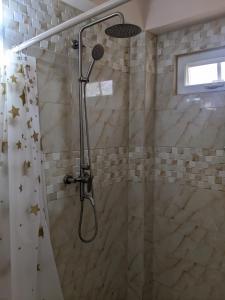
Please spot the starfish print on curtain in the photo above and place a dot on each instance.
(33, 274)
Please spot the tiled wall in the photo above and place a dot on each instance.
(158, 160)
(188, 174)
(23, 19)
(141, 124)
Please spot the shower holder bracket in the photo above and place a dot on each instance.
(75, 45)
(83, 79)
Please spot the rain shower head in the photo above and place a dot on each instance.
(123, 30)
(98, 52)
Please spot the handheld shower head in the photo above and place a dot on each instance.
(98, 52)
(123, 30)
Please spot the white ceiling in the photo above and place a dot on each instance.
(82, 5)
(134, 10)
(162, 15)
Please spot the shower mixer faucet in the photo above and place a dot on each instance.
(87, 180)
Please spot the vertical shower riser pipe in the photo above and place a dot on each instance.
(82, 84)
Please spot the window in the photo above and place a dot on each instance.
(201, 72)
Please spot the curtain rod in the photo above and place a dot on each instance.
(70, 23)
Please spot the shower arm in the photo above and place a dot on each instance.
(116, 14)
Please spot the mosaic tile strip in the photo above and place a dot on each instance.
(109, 166)
(203, 168)
(140, 163)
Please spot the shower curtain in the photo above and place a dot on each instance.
(27, 266)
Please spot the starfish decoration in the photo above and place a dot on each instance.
(20, 70)
(3, 89)
(35, 136)
(27, 163)
(19, 145)
(34, 209)
(29, 123)
(21, 188)
(41, 232)
(41, 144)
(14, 79)
(26, 166)
(23, 97)
(15, 112)
(4, 146)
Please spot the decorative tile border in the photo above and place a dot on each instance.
(203, 168)
(140, 163)
(109, 165)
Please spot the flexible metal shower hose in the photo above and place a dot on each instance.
(88, 197)
(81, 222)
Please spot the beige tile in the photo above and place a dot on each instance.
(56, 127)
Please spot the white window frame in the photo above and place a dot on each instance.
(197, 59)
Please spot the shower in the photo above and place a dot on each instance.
(85, 179)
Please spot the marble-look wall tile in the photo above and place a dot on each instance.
(5, 272)
(97, 270)
(142, 89)
(137, 90)
(107, 110)
(53, 82)
(135, 257)
(188, 214)
(188, 241)
(107, 128)
(195, 127)
(180, 279)
(137, 127)
(135, 240)
(55, 127)
(142, 50)
(148, 238)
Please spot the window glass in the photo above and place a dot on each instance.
(223, 71)
(202, 74)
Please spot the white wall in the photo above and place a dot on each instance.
(169, 14)
(83, 5)
(133, 11)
